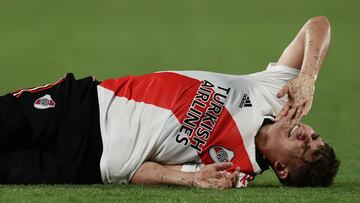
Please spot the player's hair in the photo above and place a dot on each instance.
(319, 172)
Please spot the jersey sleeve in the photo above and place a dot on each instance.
(275, 76)
(272, 80)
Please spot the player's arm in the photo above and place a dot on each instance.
(210, 176)
(306, 53)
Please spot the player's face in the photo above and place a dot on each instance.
(292, 144)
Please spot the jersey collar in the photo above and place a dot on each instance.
(260, 158)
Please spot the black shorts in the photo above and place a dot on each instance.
(51, 134)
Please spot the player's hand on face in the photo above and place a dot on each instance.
(300, 92)
(289, 119)
(215, 176)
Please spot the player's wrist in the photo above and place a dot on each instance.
(197, 180)
(187, 179)
(307, 77)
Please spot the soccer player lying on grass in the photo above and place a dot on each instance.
(190, 128)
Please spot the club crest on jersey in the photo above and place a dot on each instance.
(221, 154)
(44, 102)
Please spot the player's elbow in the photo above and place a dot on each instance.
(322, 20)
(321, 25)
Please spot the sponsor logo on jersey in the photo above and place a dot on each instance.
(44, 102)
(203, 115)
(245, 101)
(221, 154)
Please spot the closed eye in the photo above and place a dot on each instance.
(315, 136)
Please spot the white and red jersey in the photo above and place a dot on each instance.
(178, 117)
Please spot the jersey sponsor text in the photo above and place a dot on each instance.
(202, 115)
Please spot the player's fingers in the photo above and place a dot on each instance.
(223, 185)
(222, 166)
(307, 108)
(237, 177)
(285, 109)
(220, 175)
(230, 184)
(234, 178)
(285, 89)
(290, 117)
(229, 181)
(292, 112)
(234, 175)
(282, 112)
(294, 122)
(223, 182)
(299, 113)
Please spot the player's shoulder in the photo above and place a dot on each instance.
(211, 76)
(275, 67)
(275, 72)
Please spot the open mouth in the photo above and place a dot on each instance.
(293, 130)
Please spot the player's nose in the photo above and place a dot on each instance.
(303, 134)
(308, 134)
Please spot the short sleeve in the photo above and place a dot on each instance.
(273, 67)
(275, 76)
(272, 80)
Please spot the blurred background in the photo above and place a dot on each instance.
(41, 40)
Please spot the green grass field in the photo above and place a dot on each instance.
(41, 40)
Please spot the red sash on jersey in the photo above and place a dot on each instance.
(206, 125)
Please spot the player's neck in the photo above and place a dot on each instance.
(261, 141)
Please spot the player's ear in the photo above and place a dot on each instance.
(281, 170)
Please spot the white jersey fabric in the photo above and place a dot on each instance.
(178, 117)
